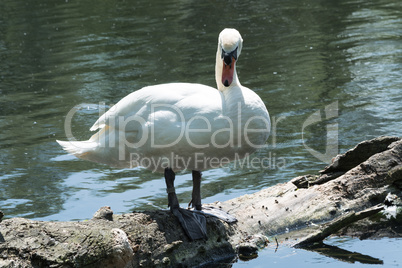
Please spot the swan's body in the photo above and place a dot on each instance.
(178, 125)
(182, 126)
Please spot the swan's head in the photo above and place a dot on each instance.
(229, 47)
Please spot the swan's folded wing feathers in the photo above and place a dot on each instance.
(126, 107)
(189, 99)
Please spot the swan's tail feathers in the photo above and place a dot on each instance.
(78, 148)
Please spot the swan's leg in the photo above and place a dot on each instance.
(173, 203)
(196, 196)
(194, 224)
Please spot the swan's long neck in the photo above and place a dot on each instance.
(218, 73)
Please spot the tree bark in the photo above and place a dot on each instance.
(368, 175)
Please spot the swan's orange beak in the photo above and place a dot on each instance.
(227, 72)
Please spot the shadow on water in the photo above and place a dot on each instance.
(343, 255)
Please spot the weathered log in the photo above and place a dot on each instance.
(155, 238)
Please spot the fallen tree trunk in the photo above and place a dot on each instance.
(361, 178)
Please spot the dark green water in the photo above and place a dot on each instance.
(299, 56)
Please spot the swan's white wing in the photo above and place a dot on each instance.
(185, 98)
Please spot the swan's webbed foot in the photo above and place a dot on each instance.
(195, 202)
(218, 213)
(193, 221)
(194, 224)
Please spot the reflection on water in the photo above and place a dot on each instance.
(298, 56)
(347, 251)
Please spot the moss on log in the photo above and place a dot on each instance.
(155, 238)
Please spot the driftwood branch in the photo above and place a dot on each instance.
(363, 177)
(337, 224)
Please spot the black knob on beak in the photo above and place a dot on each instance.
(227, 58)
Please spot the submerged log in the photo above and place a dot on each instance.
(363, 177)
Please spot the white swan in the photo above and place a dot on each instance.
(181, 125)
